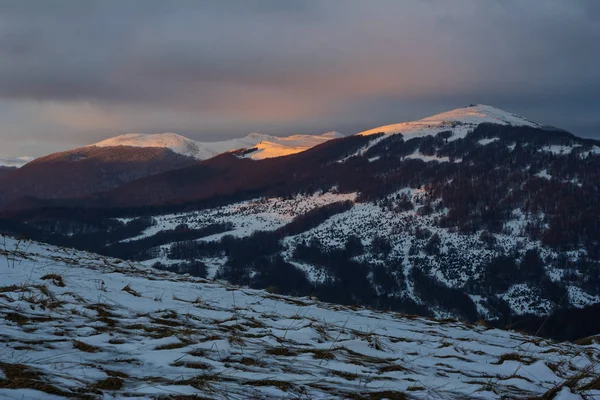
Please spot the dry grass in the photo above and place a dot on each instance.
(159, 332)
(21, 319)
(322, 354)
(198, 353)
(20, 376)
(210, 338)
(110, 384)
(456, 357)
(57, 280)
(515, 357)
(346, 375)
(387, 395)
(88, 348)
(281, 351)
(254, 323)
(588, 341)
(322, 331)
(192, 365)
(393, 368)
(116, 374)
(16, 318)
(171, 346)
(104, 315)
(131, 291)
(281, 385)
(166, 322)
(12, 288)
(594, 384)
(357, 358)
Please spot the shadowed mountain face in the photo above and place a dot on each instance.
(80, 172)
(6, 170)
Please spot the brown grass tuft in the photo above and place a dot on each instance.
(131, 291)
(57, 280)
(111, 384)
(172, 346)
(88, 348)
(192, 364)
(515, 357)
(324, 354)
(20, 376)
(393, 368)
(281, 351)
(282, 385)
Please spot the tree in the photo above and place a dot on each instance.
(433, 245)
(381, 246)
(354, 246)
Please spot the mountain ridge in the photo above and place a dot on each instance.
(269, 146)
(468, 117)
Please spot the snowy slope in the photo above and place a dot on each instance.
(366, 221)
(75, 324)
(274, 146)
(15, 162)
(268, 146)
(460, 121)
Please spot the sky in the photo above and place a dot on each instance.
(75, 72)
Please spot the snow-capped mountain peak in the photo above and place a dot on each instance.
(267, 146)
(460, 120)
(177, 143)
(15, 162)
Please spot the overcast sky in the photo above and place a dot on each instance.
(75, 72)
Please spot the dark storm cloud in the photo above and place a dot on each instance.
(76, 71)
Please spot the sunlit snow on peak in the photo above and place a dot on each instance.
(265, 146)
(460, 121)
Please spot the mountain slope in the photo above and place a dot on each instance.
(79, 325)
(230, 175)
(266, 146)
(499, 223)
(79, 172)
(6, 170)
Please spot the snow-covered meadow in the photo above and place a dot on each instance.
(78, 325)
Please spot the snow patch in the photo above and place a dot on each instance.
(485, 142)
(559, 149)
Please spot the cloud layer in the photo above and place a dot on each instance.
(72, 72)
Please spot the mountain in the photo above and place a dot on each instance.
(14, 162)
(474, 214)
(256, 145)
(79, 172)
(79, 325)
(6, 170)
(116, 161)
(461, 121)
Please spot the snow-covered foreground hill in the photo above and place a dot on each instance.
(79, 325)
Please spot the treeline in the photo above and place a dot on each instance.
(142, 249)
